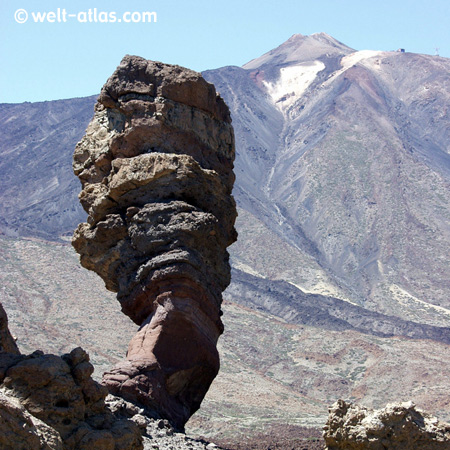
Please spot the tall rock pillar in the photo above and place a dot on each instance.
(156, 167)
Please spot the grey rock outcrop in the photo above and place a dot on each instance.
(156, 167)
(157, 433)
(20, 429)
(396, 427)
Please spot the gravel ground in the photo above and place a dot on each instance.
(279, 437)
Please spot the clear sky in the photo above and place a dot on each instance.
(73, 58)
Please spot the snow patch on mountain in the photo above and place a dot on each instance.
(364, 57)
(292, 83)
(357, 57)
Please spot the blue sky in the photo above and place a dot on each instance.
(53, 60)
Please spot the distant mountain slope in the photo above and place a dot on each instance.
(344, 156)
(38, 191)
(286, 301)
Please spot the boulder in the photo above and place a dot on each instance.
(51, 402)
(7, 342)
(398, 426)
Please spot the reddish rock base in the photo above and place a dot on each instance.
(173, 359)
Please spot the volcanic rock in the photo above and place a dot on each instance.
(7, 342)
(157, 433)
(156, 167)
(20, 429)
(398, 426)
(51, 402)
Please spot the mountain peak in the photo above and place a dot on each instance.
(300, 48)
(321, 36)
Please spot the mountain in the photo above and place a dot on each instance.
(343, 160)
(38, 192)
(301, 49)
(340, 282)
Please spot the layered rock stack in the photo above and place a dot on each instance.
(156, 167)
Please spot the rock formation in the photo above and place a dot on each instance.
(51, 402)
(397, 427)
(7, 342)
(156, 167)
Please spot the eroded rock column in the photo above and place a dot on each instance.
(156, 171)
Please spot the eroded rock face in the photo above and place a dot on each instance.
(7, 342)
(397, 427)
(51, 402)
(156, 171)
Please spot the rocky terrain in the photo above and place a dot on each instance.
(49, 402)
(343, 171)
(273, 373)
(339, 276)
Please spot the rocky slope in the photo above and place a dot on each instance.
(38, 192)
(343, 159)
